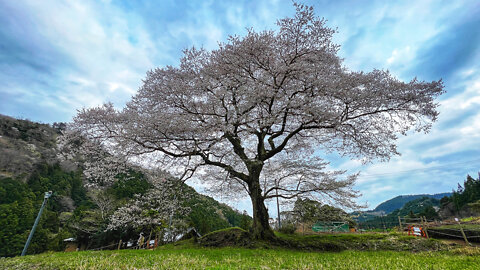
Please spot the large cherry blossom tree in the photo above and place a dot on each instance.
(251, 114)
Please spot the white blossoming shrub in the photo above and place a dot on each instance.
(159, 210)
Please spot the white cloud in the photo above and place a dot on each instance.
(381, 34)
(472, 130)
(97, 40)
(401, 56)
(379, 189)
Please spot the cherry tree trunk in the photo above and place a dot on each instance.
(261, 227)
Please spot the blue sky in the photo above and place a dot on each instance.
(59, 56)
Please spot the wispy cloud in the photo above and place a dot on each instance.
(64, 55)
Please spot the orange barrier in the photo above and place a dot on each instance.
(416, 231)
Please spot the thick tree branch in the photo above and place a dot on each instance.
(284, 143)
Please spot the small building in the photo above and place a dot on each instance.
(190, 233)
(71, 244)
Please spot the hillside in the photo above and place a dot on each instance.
(393, 204)
(399, 201)
(29, 167)
(424, 206)
(23, 144)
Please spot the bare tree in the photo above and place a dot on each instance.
(104, 201)
(271, 97)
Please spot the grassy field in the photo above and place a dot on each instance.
(240, 258)
(353, 251)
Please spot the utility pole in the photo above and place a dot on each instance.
(278, 210)
(170, 221)
(400, 228)
(171, 213)
(424, 221)
(30, 236)
(383, 222)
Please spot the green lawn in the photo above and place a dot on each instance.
(239, 258)
(354, 251)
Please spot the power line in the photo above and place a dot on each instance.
(420, 169)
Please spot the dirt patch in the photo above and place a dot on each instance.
(459, 243)
(309, 244)
(367, 242)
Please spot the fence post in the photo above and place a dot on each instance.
(463, 233)
(384, 225)
(119, 244)
(400, 228)
(424, 221)
(149, 238)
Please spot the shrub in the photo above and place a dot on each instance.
(288, 228)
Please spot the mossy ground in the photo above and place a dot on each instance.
(367, 241)
(236, 237)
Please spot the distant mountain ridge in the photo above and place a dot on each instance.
(398, 202)
(393, 204)
(421, 207)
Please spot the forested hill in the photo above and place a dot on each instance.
(420, 207)
(399, 201)
(393, 205)
(29, 167)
